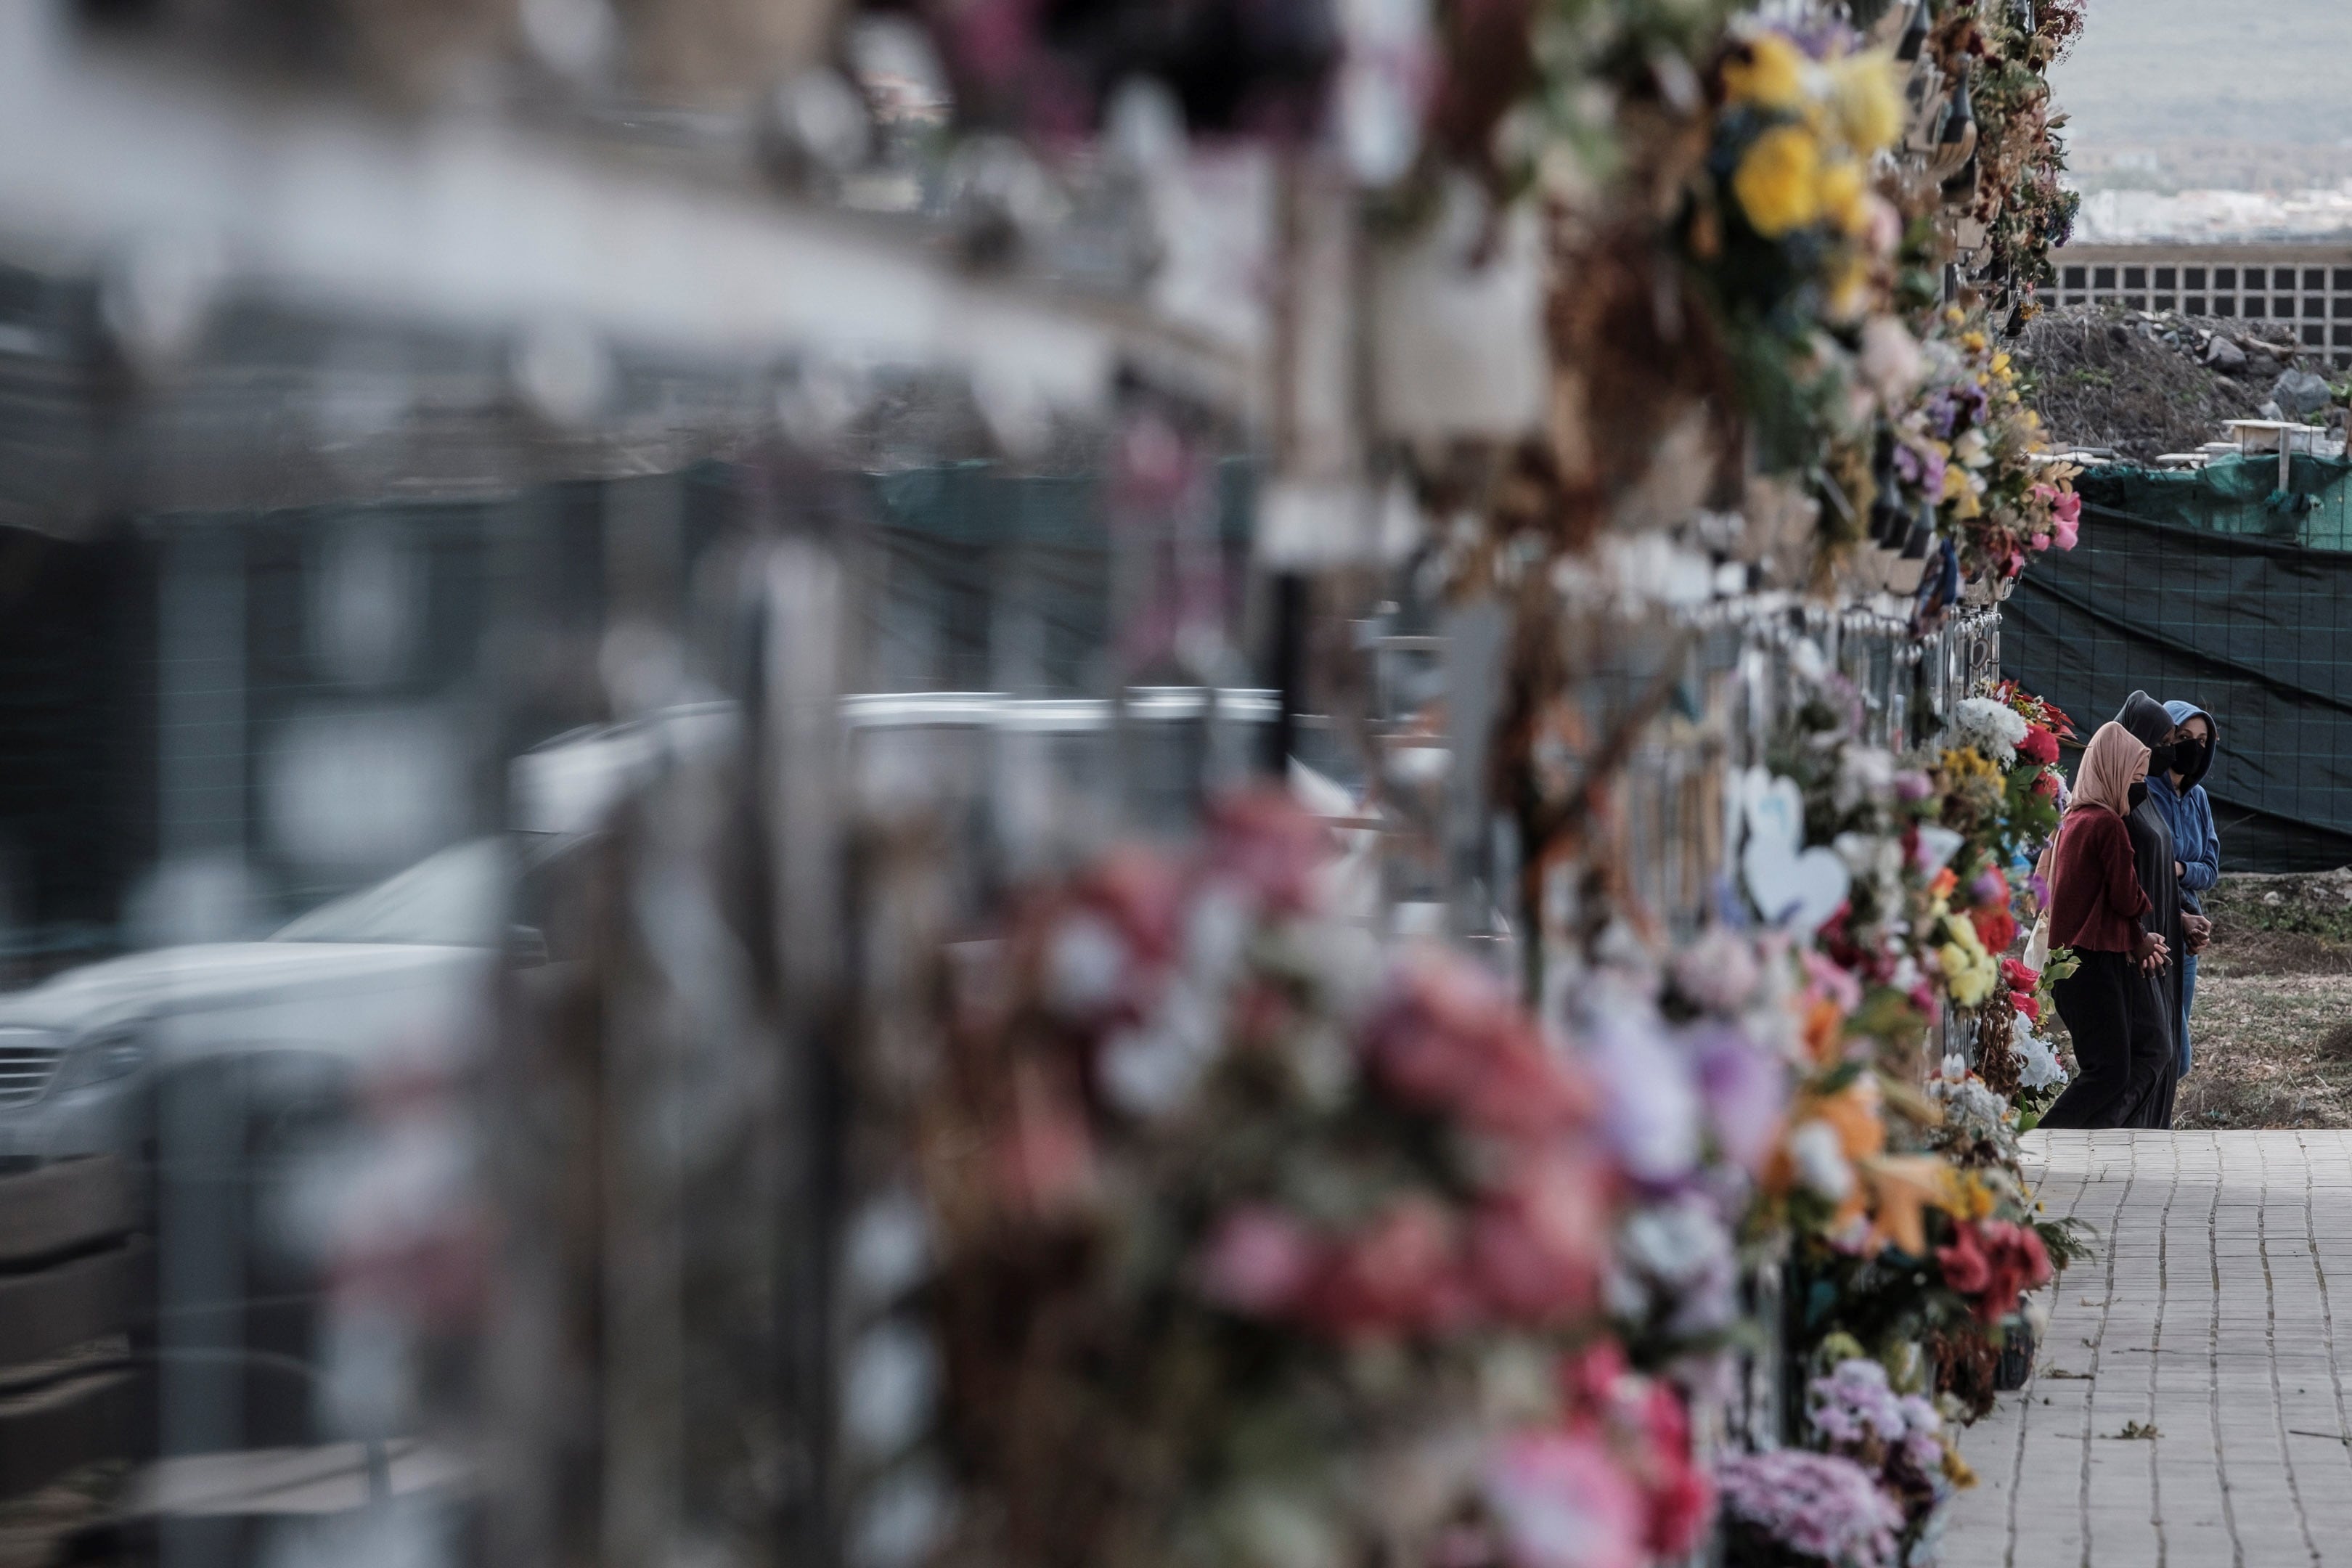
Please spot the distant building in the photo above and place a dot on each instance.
(2309, 285)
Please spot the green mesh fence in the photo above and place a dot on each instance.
(2222, 589)
(2237, 496)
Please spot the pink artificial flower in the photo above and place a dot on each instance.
(1451, 1038)
(1834, 982)
(1401, 1275)
(1103, 950)
(1562, 1501)
(1045, 1159)
(2067, 519)
(1258, 1261)
(1537, 1249)
(1265, 841)
(1588, 1378)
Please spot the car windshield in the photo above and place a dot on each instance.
(454, 899)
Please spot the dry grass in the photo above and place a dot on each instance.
(2273, 1022)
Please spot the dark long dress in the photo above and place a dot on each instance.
(2110, 1011)
(2152, 848)
(2151, 839)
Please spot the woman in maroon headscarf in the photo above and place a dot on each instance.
(2122, 1041)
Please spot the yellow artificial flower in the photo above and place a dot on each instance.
(1955, 481)
(1969, 972)
(1961, 763)
(1969, 1196)
(2001, 365)
(1771, 74)
(1866, 100)
(1973, 342)
(1969, 982)
(1956, 1469)
(1779, 181)
(1849, 289)
(1839, 192)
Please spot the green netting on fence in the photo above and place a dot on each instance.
(2251, 628)
(2236, 496)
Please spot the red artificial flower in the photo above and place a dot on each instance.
(1965, 1267)
(2039, 745)
(1680, 1493)
(1682, 1506)
(2018, 976)
(1994, 1262)
(2023, 1002)
(2046, 785)
(1995, 928)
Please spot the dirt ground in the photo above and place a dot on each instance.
(2273, 1020)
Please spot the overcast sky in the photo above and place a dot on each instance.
(2238, 70)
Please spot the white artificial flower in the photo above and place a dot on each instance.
(1085, 965)
(1678, 1252)
(1653, 1116)
(1719, 971)
(1820, 1159)
(2038, 1063)
(1890, 359)
(1864, 773)
(1993, 726)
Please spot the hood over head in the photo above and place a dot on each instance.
(2145, 717)
(2181, 713)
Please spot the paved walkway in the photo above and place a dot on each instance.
(2212, 1312)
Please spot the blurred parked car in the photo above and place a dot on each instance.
(406, 965)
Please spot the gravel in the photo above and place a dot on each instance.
(2148, 382)
(2272, 1022)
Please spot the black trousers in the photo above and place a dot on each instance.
(2122, 1045)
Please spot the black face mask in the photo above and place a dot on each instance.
(2160, 759)
(2138, 793)
(2186, 756)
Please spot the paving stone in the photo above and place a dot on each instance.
(2224, 1262)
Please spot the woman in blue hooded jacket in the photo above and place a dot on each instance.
(2179, 795)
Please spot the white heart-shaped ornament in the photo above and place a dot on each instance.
(1797, 889)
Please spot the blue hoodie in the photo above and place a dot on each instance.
(2188, 813)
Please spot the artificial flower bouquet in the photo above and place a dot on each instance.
(1260, 1244)
(1788, 224)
